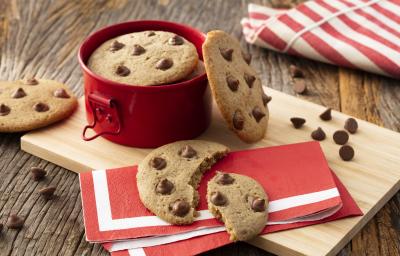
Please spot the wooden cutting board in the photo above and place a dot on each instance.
(372, 177)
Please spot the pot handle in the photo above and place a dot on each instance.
(104, 110)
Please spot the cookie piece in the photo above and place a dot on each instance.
(240, 203)
(145, 58)
(33, 103)
(168, 177)
(236, 87)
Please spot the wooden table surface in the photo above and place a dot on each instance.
(41, 37)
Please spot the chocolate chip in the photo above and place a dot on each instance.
(115, 46)
(15, 222)
(318, 134)
(4, 110)
(266, 99)
(180, 208)
(249, 79)
(297, 122)
(258, 205)
(296, 72)
(346, 152)
(41, 107)
(226, 53)
(224, 179)
(30, 80)
(164, 187)
(218, 199)
(164, 64)
(1, 227)
(48, 192)
(19, 93)
(340, 137)
(238, 120)
(61, 93)
(176, 40)
(151, 33)
(137, 50)
(246, 57)
(326, 115)
(158, 163)
(187, 152)
(121, 70)
(232, 83)
(299, 86)
(351, 125)
(257, 113)
(37, 173)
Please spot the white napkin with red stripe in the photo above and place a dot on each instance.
(362, 34)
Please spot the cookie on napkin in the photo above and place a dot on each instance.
(240, 202)
(33, 103)
(168, 177)
(236, 86)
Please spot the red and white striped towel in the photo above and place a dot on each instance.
(363, 34)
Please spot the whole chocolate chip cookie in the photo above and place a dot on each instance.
(145, 58)
(33, 103)
(240, 202)
(235, 86)
(168, 177)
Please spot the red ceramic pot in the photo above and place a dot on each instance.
(144, 116)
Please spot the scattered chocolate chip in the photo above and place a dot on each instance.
(176, 40)
(346, 152)
(299, 86)
(164, 64)
(238, 120)
(15, 222)
(218, 199)
(19, 93)
(351, 125)
(258, 205)
(4, 110)
(48, 192)
(151, 33)
(37, 173)
(257, 113)
(226, 53)
(164, 187)
(297, 122)
(224, 179)
(115, 46)
(266, 99)
(30, 80)
(61, 93)
(232, 83)
(187, 152)
(138, 50)
(41, 107)
(318, 134)
(249, 79)
(158, 163)
(246, 57)
(340, 137)
(296, 72)
(180, 208)
(121, 70)
(326, 115)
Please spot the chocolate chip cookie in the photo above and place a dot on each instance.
(168, 177)
(240, 202)
(145, 58)
(33, 103)
(236, 86)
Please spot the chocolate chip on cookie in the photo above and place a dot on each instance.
(164, 64)
(176, 40)
(180, 208)
(218, 199)
(122, 70)
(164, 187)
(227, 53)
(326, 115)
(138, 50)
(266, 99)
(238, 120)
(158, 163)
(318, 134)
(340, 137)
(249, 79)
(246, 57)
(116, 45)
(297, 122)
(187, 152)
(151, 33)
(258, 205)
(232, 83)
(351, 125)
(61, 93)
(224, 179)
(4, 110)
(41, 107)
(18, 93)
(257, 113)
(30, 80)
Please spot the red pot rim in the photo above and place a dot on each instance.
(156, 88)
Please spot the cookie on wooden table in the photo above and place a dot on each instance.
(168, 177)
(236, 86)
(33, 103)
(145, 58)
(240, 202)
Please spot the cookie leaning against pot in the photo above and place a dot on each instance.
(235, 86)
(169, 176)
(33, 103)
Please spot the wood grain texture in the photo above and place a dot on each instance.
(42, 37)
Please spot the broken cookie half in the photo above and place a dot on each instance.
(169, 176)
(240, 203)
